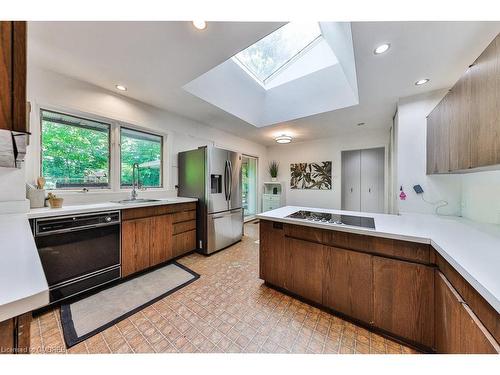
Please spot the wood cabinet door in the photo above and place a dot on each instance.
(161, 239)
(438, 143)
(457, 328)
(6, 75)
(403, 299)
(460, 141)
(485, 111)
(136, 236)
(304, 275)
(348, 283)
(447, 316)
(273, 260)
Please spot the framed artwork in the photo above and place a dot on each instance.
(311, 175)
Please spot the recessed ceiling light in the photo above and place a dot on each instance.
(121, 87)
(422, 81)
(283, 139)
(382, 48)
(200, 25)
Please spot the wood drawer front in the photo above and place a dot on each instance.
(184, 226)
(484, 311)
(404, 250)
(137, 213)
(304, 233)
(184, 243)
(184, 216)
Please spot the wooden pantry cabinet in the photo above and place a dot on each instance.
(13, 113)
(154, 235)
(463, 130)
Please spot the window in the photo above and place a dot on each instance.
(274, 52)
(75, 152)
(142, 148)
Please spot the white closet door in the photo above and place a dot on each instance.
(372, 180)
(351, 180)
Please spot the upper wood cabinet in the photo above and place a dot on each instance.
(485, 107)
(463, 131)
(438, 142)
(13, 115)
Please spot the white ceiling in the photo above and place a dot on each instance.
(155, 59)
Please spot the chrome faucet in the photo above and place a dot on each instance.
(135, 181)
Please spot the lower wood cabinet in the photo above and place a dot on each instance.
(273, 261)
(15, 335)
(136, 245)
(154, 235)
(304, 274)
(403, 299)
(183, 243)
(457, 328)
(161, 239)
(348, 283)
(396, 287)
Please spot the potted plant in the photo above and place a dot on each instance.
(273, 170)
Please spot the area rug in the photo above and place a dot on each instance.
(85, 318)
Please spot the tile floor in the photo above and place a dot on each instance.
(227, 310)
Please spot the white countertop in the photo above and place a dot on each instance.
(103, 206)
(23, 286)
(473, 249)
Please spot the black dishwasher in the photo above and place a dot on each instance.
(78, 252)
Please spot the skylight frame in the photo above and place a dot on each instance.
(281, 67)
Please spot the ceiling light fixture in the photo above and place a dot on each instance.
(200, 25)
(283, 139)
(121, 87)
(382, 48)
(422, 81)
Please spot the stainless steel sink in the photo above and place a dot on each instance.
(139, 200)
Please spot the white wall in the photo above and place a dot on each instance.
(481, 196)
(52, 90)
(322, 150)
(411, 159)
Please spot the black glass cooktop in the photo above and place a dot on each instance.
(322, 217)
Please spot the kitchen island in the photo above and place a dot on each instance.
(429, 281)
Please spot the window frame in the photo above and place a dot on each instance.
(119, 132)
(110, 150)
(114, 170)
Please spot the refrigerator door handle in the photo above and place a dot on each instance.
(226, 178)
(230, 184)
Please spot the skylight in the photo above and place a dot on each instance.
(274, 52)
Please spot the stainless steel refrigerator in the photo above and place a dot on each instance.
(213, 175)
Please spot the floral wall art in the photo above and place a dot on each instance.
(311, 175)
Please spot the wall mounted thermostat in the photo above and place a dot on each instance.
(418, 189)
